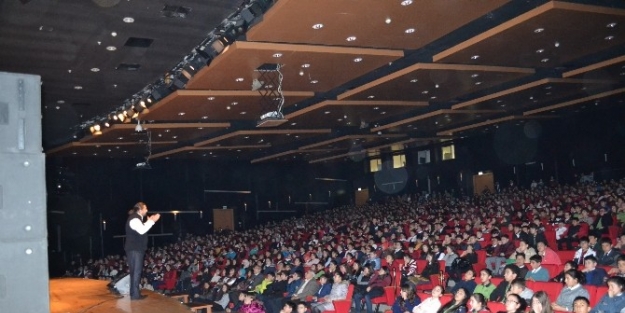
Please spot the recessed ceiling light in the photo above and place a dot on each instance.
(388, 20)
(540, 51)
(120, 138)
(239, 79)
(436, 86)
(609, 37)
(111, 48)
(556, 44)
(204, 117)
(95, 69)
(478, 83)
(160, 135)
(314, 81)
(228, 108)
(414, 80)
(305, 65)
(74, 153)
(317, 26)
(58, 107)
(114, 85)
(243, 113)
(114, 34)
(210, 98)
(548, 87)
(174, 137)
(539, 30)
(371, 97)
(425, 92)
(326, 112)
(475, 57)
(383, 112)
(339, 119)
(376, 108)
(358, 59)
(545, 60)
(409, 31)
(293, 124)
(433, 97)
(234, 103)
(277, 55)
(181, 113)
(351, 38)
(77, 87)
(611, 25)
(69, 71)
(60, 101)
(128, 19)
(406, 2)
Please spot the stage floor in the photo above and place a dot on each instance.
(69, 295)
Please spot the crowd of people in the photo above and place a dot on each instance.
(309, 263)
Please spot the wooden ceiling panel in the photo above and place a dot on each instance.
(216, 105)
(611, 97)
(271, 137)
(332, 113)
(366, 20)
(436, 121)
(210, 153)
(435, 82)
(612, 69)
(546, 36)
(353, 142)
(535, 94)
(165, 132)
(313, 68)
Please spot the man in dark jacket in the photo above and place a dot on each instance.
(510, 273)
(136, 244)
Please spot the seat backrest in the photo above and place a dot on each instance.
(553, 269)
(592, 291)
(496, 306)
(598, 294)
(389, 292)
(481, 256)
(496, 280)
(350, 292)
(445, 299)
(565, 255)
(551, 288)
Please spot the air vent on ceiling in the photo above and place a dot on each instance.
(175, 11)
(128, 67)
(136, 42)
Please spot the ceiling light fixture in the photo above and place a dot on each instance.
(371, 97)
(609, 37)
(210, 98)
(60, 101)
(540, 51)
(111, 48)
(478, 83)
(277, 55)
(314, 81)
(305, 65)
(351, 38)
(475, 57)
(77, 87)
(538, 30)
(181, 113)
(545, 60)
(388, 20)
(409, 31)
(406, 2)
(317, 26)
(234, 103)
(95, 69)
(128, 19)
(474, 75)
(239, 79)
(611, 25)
(326, 112)
(243, 113)
(414, 80)
(204, 117)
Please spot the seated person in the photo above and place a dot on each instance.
(338, 292)
(486, 287)
(608, 255)
(406, 301)
(510, 273)
(581, 305)
(595, 276)
(520, 263)
(583, 251)
(467, 282)
(572, 289)
(614, 300)
(518, 287)
(538, 273)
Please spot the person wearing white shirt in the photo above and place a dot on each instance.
(431, 304)
(136, 244)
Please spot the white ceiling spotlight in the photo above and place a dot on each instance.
(111, 48)
(475, 57)
(129, 19)
(539, 30)
(409, 31)
(388, 20)
(317, 26)
(358, 59)
(406, 2)
(351, 38)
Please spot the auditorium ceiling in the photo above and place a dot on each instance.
(357, 76)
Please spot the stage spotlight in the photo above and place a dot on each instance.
(95, 130)
(181, 80)
(142, 106)
(195, 63)
(121, 116)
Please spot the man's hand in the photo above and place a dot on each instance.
(155, 217)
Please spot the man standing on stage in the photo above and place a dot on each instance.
(136, 244)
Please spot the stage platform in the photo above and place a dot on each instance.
(69, 295)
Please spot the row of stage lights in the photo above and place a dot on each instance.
(217, 42)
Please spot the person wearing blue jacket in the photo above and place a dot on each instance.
(595, 276)
(324, 288)
(614, 300)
